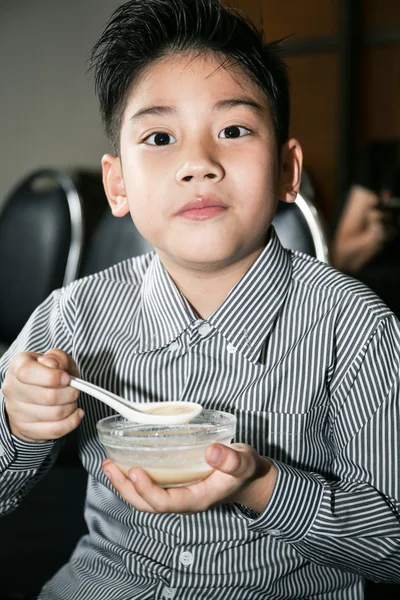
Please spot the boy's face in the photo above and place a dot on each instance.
(198, 167)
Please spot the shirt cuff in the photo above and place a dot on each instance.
(293, 506)
(16, 454)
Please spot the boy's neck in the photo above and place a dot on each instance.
(206, 290)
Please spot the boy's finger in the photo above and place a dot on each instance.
(240, 463)
(33, 395)
(48, 361)
(181, 500)
(125, 487)
(41, 413)
(31, 372)
(156, 498)
(41, 431)
(64, 360)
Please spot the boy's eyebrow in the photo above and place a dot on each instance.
(220, 105)
(153, 110)
(234, 102)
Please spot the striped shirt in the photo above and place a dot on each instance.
(307, 359)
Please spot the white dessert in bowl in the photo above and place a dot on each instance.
(172, 455)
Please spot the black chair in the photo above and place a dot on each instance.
(40, 535)
(300, 227)
(44, 225)
(114, 240)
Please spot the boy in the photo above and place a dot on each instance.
(306, 503)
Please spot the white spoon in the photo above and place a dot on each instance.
(150, 413)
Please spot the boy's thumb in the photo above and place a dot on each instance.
(229, 460)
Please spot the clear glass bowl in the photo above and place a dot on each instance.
(173, 456)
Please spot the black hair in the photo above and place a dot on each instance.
(143, 31)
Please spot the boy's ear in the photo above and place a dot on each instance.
(114, 185)
(290, 172)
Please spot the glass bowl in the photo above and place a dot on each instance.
(173, 455)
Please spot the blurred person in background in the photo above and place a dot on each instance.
(366, 243)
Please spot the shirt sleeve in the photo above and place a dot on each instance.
(350, 519)
(22, 463)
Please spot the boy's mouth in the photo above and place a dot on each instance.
(201, 208)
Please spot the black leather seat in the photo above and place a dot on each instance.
(45, 223)
(44, 226)
(114, 240)
(300, 227)
(40, 236)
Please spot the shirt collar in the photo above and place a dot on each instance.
(164, 313)
(244, 318)
(248, 313)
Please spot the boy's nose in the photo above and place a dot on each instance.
(199, 171)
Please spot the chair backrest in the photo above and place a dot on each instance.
(41, 234)
(114, 240)
(300, 227)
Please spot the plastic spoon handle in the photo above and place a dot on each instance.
(115, 402)
(100, 393)
(127, 409)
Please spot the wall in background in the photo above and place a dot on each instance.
(314, 67)
(48, 111)
(379, 85)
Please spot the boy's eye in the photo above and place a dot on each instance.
(160, 138)
(234, 131)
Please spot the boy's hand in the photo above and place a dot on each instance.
(241, 475)
(40, 405)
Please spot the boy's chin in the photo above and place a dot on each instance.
(205, 259)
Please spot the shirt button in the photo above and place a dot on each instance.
(168, 592)
(173, 347)
(274, 532)
(231, 349)
(186, 558)
(204, 329)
